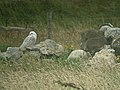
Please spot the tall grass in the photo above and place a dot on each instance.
(22, 12)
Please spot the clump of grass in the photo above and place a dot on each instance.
(3, 47)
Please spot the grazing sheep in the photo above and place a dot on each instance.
(29, 41)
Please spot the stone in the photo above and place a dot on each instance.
(94, 44)
(105, 26)
(92, 41)
(104, 57)
(116, 46)
(110, 31)
(86, 35)
(12, 53)
(77, 54)
(116, 67)
(48, 47)
(3, 56)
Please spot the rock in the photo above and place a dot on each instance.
(35, 54)
(116, 67)
(12, 53)
(92, 41)
(48, 47)
(105, 26)
(76, 54)
(104, 57)
(3, 56)
(116, 46)
(93, 45)
(86, 35)
(110, 31)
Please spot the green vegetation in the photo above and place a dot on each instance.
(66, 13)
(69, 17)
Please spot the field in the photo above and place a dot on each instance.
(69, 18)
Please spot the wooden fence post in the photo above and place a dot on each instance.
(49, 19)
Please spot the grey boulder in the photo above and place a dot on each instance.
(79, 54)
(48, 47)
(11, 53)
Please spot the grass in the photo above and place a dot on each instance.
(33, 74)
(69, 19)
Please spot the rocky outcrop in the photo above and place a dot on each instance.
(116, 46)
(94, 44)
(48, 47)
(104, 57)
(86, 35)
(44, 48)
(92, 41)
(116, 67)
(110, 31)
(11, 53)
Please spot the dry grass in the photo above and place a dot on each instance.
(68, 37)
(31, 74)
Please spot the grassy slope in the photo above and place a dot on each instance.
(31, 74)
(72, 15)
